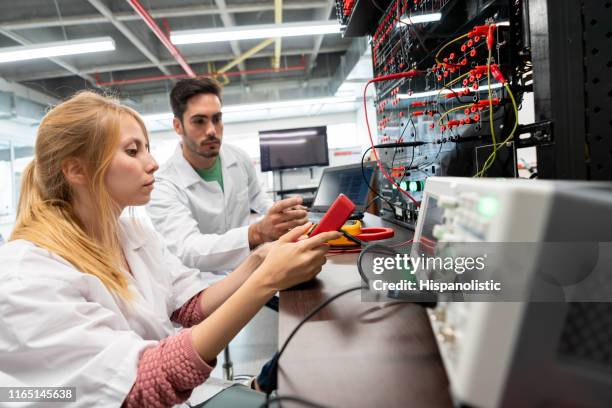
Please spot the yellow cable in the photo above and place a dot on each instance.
(493, 155)
(447, 45)
(451, 83)
(491, 159)
(489, 162)
(451, 111)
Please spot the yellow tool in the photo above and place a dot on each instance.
(352, 229)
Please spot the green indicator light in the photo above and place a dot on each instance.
(413, 186)
(488, 206)
(404, 185)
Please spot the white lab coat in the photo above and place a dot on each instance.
(206, 227)
(62, 327)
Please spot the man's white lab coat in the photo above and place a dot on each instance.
(206, 227)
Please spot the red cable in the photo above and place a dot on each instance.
(365, 108)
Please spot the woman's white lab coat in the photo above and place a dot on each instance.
(62, 327)
(206, 227)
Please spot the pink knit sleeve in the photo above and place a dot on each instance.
(190, 313)
(167, 373)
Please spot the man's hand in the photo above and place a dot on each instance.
(281, 217)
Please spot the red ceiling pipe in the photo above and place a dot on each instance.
(144, 14)
(213, 74)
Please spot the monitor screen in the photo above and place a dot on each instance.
(347, 180)
(291, 148)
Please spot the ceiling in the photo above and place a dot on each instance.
(307, 64)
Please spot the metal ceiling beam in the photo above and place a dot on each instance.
(174, 12)
(69, 67)
(278, 19)
(158, 102)
(322, 14)
(106, 12)
(359, 46)
(228, 21)
(27, 93)
(245, 55)
(168, 62)
(150, 22)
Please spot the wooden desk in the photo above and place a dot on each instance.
(356, 354)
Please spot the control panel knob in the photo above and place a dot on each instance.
(448, 202)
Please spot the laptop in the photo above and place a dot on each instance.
(347, 180)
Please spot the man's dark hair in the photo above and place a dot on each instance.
(185, 89)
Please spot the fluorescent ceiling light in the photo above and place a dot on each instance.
(444, 92)
(262, 106)
(421, 18)
(56, 49)
(287, 104)
(255, 32)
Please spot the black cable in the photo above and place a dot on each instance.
(455, 94)
(370, 203)
(413, 127)
(368, 183)
(393, 158)
(375, 4)
(277, 356)
(311, 314)
(386, 146)
(397, 192)
(383, 249)
(398, 144)
(422, 166)
(402, 144)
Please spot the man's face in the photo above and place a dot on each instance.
(202, 126)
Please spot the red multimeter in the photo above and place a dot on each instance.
(338, 213)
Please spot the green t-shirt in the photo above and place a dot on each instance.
(213, 173)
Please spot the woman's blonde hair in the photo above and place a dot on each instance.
(85, 127)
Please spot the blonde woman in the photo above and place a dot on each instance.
(88, 300)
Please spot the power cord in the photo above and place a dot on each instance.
(277, 356)
(426, 299)
(373, 248)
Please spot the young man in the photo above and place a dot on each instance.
(204, 193)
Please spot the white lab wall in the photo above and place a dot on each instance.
(343, 137)
(342, 131)
(362, 129)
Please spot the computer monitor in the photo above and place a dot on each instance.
(293, 148)
(347, 180)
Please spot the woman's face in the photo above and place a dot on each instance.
(130, 176)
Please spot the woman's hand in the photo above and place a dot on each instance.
(294, 258)
(260, 253)
(291, 260)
